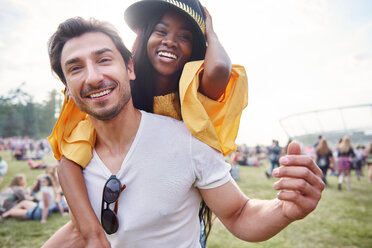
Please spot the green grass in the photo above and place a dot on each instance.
(341, 220)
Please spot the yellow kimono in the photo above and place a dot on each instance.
(216, 123)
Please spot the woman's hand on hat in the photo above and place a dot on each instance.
(208, 22)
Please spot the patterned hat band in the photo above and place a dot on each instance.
(186, 8)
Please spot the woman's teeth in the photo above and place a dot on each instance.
(168, 55)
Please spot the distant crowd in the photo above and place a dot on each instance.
(24, 148)
(339, 161)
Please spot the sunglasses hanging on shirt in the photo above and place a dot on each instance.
(111, 193)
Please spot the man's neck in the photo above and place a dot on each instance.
(115, 137)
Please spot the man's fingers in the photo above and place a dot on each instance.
(301, 161)
(305, 204)
(295, 158)
(299, 172)
(294, 149)
(300, 186)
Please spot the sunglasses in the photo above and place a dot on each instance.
(111, 193)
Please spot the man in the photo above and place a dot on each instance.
(163, 169)
(317, 142)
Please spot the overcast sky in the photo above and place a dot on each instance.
(299, 55)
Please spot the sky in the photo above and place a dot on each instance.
(299, 55)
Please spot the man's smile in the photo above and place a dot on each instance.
(99, 94)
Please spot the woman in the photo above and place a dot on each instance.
(369, 163)
(209, 96)
(14, 193)
(359, 160)
(31, 210)
(345, 156)
(324, 158)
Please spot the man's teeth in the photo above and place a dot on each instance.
(105, 92)
(168, 55)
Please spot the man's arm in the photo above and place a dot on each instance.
(256, 220)
(73, 185)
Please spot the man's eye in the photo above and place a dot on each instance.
(75, 68)
(103, 60)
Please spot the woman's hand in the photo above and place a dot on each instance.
(208, 23)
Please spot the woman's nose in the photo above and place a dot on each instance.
(169, 41)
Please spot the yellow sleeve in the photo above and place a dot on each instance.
(216, 123)
(73, 135)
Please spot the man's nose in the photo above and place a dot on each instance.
(93, 74)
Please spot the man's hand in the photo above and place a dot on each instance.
(69, 236)
(95, 237)
(300, 183)
(97, 242)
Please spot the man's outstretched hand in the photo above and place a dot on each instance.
(300, 185)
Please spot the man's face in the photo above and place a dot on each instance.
(96, 75)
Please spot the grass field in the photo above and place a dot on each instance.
(342, 219)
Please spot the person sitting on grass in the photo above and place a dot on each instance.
(14, 193)
(34, 165)
(30, 210)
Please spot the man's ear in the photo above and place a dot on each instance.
(130, 70)
(67, 93)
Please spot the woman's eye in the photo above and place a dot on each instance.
(160, 31)
(185, 37)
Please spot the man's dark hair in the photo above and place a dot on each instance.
(75, 27)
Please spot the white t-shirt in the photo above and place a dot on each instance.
(162, 172)
(51, 199)
(3, 167)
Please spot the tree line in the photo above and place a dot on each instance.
(21, 116)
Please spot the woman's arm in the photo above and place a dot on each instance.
(217, 64)
(72, 182)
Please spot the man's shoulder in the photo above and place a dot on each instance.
(163, 122)
(172, 130)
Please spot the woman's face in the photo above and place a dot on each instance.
(22, 182)
(170, 44)
(45, 182)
